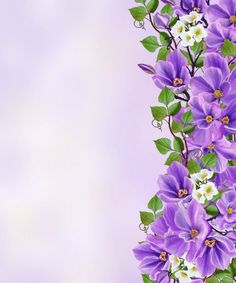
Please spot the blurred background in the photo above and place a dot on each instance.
(77, 161)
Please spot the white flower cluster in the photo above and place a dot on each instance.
(189, 30)
(203, 189)
(183, 270)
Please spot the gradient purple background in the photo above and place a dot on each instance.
(77, 161)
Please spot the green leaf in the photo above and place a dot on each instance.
(188, 129)
(146, 279)
(162, 54)
(228, 48)
(232, 267)
(174, 156)
(174, 108)
(150, 43)
(173, 21)
(166, 96)
(178, 144)
(167, 9)
(212, 210)
(140, 1)
(218, 196)
(224, 276)
(193, 167)
(232, 66)
(163, 145)
(146, 217)
(197, 47)
(152, 5)
(209, 160)
(200, 62)
(138, 13)
(176, 127)
(164, 38)
(159, 113)
(155, 204)
(187, 117)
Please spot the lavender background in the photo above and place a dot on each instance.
(77, 160)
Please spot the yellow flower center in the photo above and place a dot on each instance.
(232, 19)
(209, 119)
(230, 210)
(194, 233)
(210, 243)
(177, 81)
(196, 9)
(182, 193)
(225, 120)
(218, 93)
(163, 256)
(211, 146)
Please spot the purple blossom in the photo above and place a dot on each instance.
(217, 35)
(161, 21)
(224, 13)
(227, 178)
(215, 252)
(206, 117)
(176, 186)
(191, 226)
(227, 209)
(188, 6)
(154, 259)
(228, 118)
(172, 72)
(147, 69)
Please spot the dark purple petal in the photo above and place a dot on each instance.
(147, 69)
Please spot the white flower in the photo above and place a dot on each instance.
(209, 190)
(178, 29)
(202, 176)
(192, 270)
(175, 262)
(193, 17)
(198, 32)
(187, 39)
(183, 276)
(198, 195)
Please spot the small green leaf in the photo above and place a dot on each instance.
(163, 145)
(200, 62)
(232, 267)
(176, 127)
(155, 204)
(218, 196)
(178, 144)
(146, 217)
(197, 47)
(212, 210)
(173, 21)
(188, 129)
(193, 167)
(162, 54)
(228, 48)
(174, 156)
(164, 38)
(138, 13)
(174, 108)
(159, 113)
(140, 1)
(232, 66)
(152, 5)
(150, 43)
(166, 96)
(187, 117)
(167, 9)
(209, 160)
(146, 279)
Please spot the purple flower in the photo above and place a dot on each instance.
(228, 118)
(147, 69)
(173, 72)
(224, 149)
(224, 13)
(206, 117)
(213, 85)
(161, 21)
(217, 35)
(227, 178)
(176, 186)
(153, 258)
(227, 208)
(190, 224)
(188, 6)
(215, 252)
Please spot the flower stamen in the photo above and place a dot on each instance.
(196, 9)
(232, 19)
(209, 119)
(182, 193)
(211, 146)
(218, 93)
(194, 233)
(230, 210)
(163, 256)
(225, 120)
(177, 81)
(210, 243)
